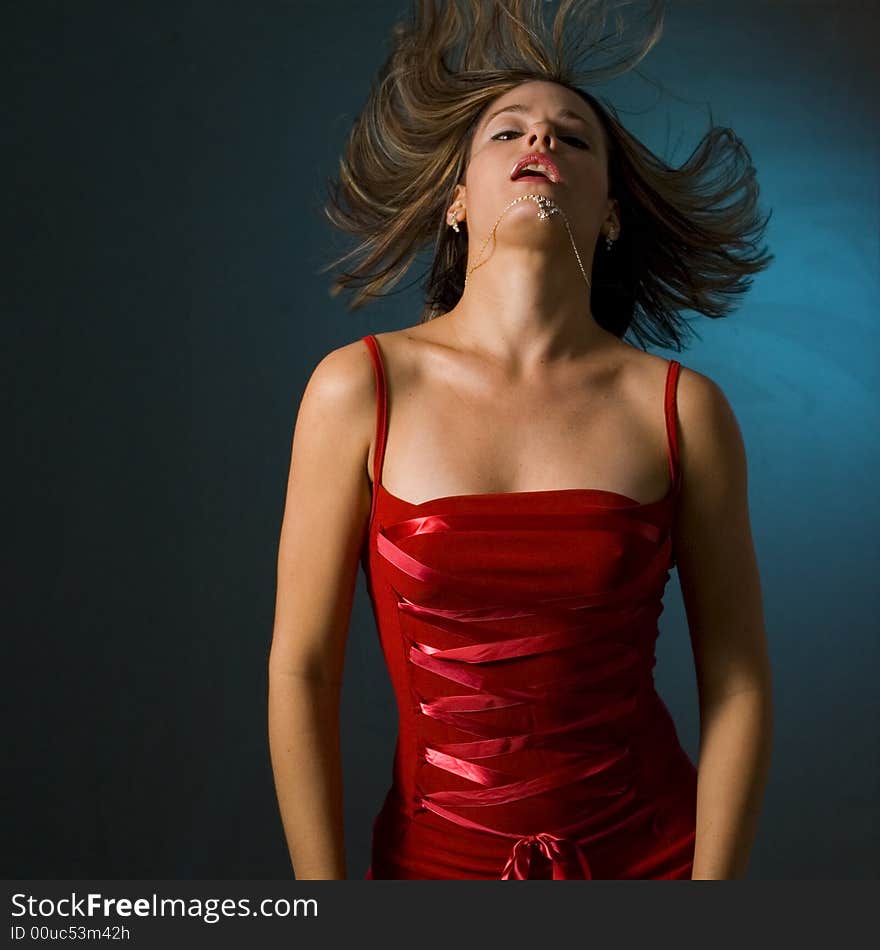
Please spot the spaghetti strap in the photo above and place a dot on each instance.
(671, 424)
(381, 415)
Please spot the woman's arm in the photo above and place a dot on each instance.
(325, 517)
(721, 588)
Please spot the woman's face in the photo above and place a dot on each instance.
(542, 117)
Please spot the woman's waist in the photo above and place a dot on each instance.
(492, 843)
(577, 797)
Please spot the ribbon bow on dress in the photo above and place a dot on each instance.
(565, 855)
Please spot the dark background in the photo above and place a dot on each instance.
(162, 311)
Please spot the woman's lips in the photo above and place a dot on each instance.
(541, 159)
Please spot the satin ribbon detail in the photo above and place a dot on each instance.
(412, 569)
(567, 859)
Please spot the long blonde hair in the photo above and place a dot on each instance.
(689, 234)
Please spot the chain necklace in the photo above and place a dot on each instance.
(546, 208)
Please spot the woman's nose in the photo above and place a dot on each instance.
(542, 135)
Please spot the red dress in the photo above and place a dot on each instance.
(518, 629)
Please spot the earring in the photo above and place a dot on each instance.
(610, 238)
(455, 226)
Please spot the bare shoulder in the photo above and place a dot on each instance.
(342, 379)
(337, 412)
(702, 407)
(710, 439)
(713, 510)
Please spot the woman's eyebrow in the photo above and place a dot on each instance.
(519, 107)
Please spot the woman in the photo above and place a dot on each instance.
(516, 481)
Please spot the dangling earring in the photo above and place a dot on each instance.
(610, 238)
(455, 226)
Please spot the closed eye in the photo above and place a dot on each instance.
(565, 138)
